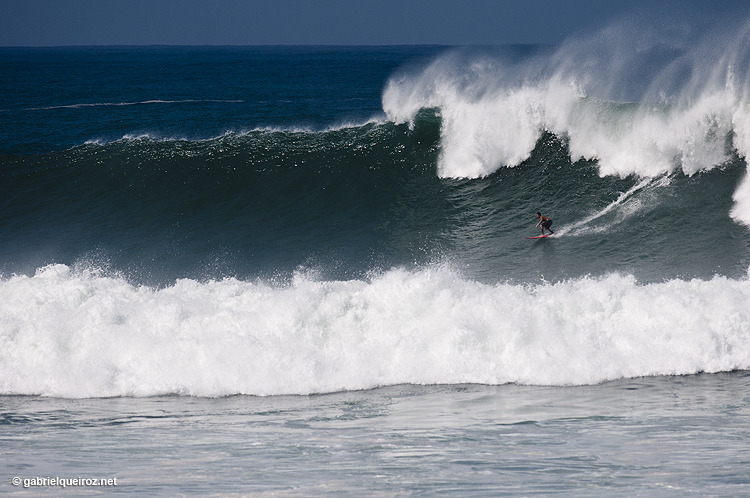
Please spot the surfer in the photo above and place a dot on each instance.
(544, 222)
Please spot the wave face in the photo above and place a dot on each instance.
(213, 221)
(349, 201)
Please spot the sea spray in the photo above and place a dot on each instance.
(635, 102)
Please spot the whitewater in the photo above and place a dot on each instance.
(77, 334)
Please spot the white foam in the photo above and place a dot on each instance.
(741, 122)
(486, 122)
(79, 334)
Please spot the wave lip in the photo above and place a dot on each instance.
(240, 133)
(80, 334)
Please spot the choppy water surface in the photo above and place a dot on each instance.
(659, 436)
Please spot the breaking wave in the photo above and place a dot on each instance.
(636, 102)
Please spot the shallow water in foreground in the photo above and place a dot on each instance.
(658, 436)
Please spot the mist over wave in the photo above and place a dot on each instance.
(638, 99)
(84, 334)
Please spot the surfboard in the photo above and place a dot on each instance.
(540, 236)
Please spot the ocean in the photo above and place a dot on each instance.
(304, 271)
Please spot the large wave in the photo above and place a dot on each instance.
(84, 334)
(639, 100)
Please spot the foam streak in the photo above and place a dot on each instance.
(123, 104)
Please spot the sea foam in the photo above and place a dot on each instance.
(77, 334)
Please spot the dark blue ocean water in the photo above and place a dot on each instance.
(58, 98)
(170, 163)
(185, 224)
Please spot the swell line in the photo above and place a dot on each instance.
(122, 104)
